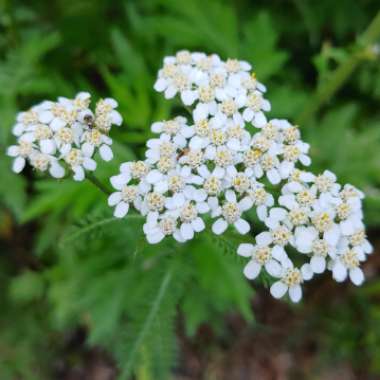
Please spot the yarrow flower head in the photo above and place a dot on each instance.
(216, 165)
(216, 168)
(54, 136)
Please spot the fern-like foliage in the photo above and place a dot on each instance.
(93, 225)
(149, 343)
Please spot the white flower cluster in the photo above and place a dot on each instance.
(65, 133)
(321, 220)
(218, 165)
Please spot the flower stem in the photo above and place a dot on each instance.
(326, 91)
(97, 183)
(188, 109)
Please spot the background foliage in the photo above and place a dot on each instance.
(68, 269)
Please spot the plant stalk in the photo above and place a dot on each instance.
(95, 181)
(326, 91)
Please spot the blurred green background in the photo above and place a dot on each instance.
(81, 295)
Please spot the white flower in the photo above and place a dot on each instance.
(307, 241)
(290, 281)
(291, 154)
(64, 131)
(347, 263)
(173, 79)
(43, 162)
(254, 106)
(359, 242)
(228, 111)
(261, 199)
(20, 152)
(128, 194)
(230, 213)
(326, 183)
(261, 256)
(95, 139)
(79, 161)
(159, 226)
(177, 130)
(158, 148)
(190, 222)
(212, 181)
(106, 114)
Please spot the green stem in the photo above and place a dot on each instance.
(325, 92)
(188, 109)
(97, 183)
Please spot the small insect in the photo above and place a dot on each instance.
(183, 152)
(89, 121)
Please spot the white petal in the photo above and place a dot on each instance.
(89, 164)
(161, 187)
(187, 231)
(242, 226)
(155, 238)
(252, 270)
(260, 120)
(277, 213)
(111, 102)
(121, 210)
(114, 198)
(261, 212)
(153, 176)
(245, 204)
(347, 227)
(219, 226)
(18, 164)
(273, 268)
(305, 160)
(295, 293)
(200, 195)
(286, 168)
(57, 123)
(157, 127)
(245, 250)
(264, 239)
(273, 176)
(56, 170)
(339, 272)
(116, 118)
(332, 235)
(219, 172)
(279, 253)
(188, 97)
(88, 149)
(160, 85)
(356, 276)
(45, 117)
(307, 272)
(278, 289)
(47, 146)
(179, 199)
(106, 152)
(170, 92)
(318, 264)
(118, 181)
(198, 224)
(230, 196)
(202, 207)
(13, 151)
(203, 171)
(78, 173)
(248, 114)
